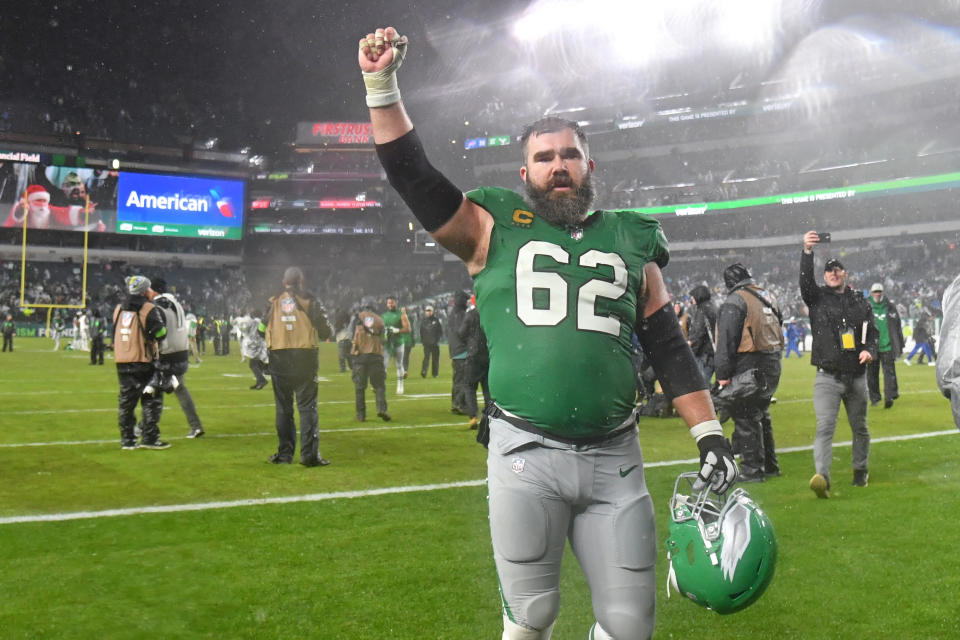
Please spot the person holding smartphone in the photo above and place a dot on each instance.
(844, 342)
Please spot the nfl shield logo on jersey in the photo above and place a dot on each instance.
(517, 465)
(287, 305)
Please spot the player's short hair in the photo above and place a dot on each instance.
(292, 276)
(551, 124)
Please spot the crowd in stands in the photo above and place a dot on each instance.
(914, 274)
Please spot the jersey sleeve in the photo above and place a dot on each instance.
(507, 207)
(648, 237)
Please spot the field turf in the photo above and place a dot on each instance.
(207, 540)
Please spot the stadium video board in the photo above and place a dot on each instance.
(105, 201)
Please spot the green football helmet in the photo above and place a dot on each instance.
(722, 550)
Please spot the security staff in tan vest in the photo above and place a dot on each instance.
(749, 337)
(368, 361)
(292, 324)
(138, 327)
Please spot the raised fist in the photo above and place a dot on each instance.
(378, 50)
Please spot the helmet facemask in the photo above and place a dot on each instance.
(722, 549)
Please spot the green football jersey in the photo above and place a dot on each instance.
(559, 308)
(392, 319)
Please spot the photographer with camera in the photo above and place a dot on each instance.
(138, 327)
(292, 324)
(844, 343)
(749, 337)
(175, 355)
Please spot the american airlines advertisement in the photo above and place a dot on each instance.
(36, 194)
(180, 206)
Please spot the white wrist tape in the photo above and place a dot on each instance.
(381, 85)
(704, 429)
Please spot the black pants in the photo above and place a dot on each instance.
(458, 399)
(890, 389)
(183, 396)
(303, 389)
(258, 368)
(407, 348)
(431, 355)
(343, 354)
(369, 367)
(8, 342)
(477, 370)
(753, 429)
(131, 393)
(96, 350)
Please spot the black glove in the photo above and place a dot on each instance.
(717, 464)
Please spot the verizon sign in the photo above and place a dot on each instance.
(334, 133)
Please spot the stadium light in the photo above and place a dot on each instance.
(635, 31)
(115, 164)
(747, 24)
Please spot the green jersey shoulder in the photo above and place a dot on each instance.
(559, 306)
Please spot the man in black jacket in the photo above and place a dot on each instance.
(703, 327)
(458, 352)
(749, 337)
(478, 363)
(844, 342)
(430, 333)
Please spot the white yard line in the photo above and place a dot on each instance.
(342, 495)
(33, 412)
(61, 443)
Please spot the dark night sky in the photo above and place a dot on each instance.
(287, 61)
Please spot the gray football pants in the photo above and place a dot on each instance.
(828, 392)
(544, 492)
(186, 403)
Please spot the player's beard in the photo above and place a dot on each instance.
(561, 208)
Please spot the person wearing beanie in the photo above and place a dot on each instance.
(844, 343)
(138, 327)
(889, 348)
(367, 361)
(431, 331)
(703, 329)
(749, 336)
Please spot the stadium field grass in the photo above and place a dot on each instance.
(873, 562)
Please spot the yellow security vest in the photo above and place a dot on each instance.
(290, 326)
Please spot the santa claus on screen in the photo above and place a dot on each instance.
(35, 204)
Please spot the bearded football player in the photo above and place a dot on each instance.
(557, 285)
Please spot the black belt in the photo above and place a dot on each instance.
(837, 374)
(493, 411)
